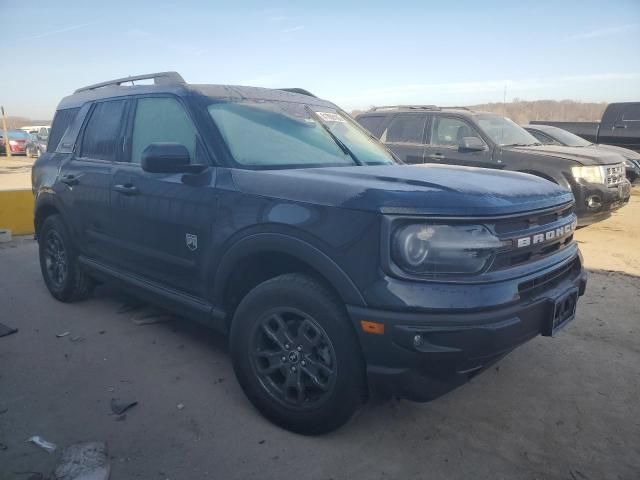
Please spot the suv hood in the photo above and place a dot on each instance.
(420, 189)
(625, 152)
(582, 155)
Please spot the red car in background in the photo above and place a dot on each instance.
(17, 142)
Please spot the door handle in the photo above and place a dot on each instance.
(69, 179)
(127, 189)
(619, 125)
(436, 156)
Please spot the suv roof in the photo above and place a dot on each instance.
(414, 108)
(172, 82)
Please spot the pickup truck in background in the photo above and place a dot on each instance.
(620, 126)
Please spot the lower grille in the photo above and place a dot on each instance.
(533, 287)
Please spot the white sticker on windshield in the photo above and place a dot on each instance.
(331, 117)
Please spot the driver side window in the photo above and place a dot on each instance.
(162, 119)
(449, 132)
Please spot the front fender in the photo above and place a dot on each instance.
(301, 250)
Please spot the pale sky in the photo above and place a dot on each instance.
(356, 54)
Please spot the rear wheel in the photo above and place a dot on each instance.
(296, 355)
(62, 274)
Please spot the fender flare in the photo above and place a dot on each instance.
(301, 250)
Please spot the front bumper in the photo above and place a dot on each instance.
(454, 345)
(595, 202)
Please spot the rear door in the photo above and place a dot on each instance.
(444, 137)
(404, 135)
(163, 222)
(85, 178)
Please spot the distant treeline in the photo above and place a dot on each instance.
(17, 122)
(522, 111)
(518, 110)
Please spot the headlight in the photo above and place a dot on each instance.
(444, 249)
(592, 174)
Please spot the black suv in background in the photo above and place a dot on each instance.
(272, 216)
(458, 136)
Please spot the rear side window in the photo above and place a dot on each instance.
(102, 133)
(405, 129)
(61, 121)
(372, 123)
(631, 112)
(161, 120)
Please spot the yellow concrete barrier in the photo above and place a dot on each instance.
(16, 211)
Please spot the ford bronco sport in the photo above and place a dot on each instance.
(272, 216)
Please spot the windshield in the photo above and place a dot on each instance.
(566, 138)
(283, 134)
(504, 131)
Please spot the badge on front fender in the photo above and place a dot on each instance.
(192, 241)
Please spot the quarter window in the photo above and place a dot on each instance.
(61, 122)
(161, 120)
(102, 134)
(447, 131)
(405, 129)
(372, 123)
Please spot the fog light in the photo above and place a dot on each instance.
(418, 341)
(594, 201)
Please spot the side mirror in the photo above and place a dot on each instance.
(471, 144)
(165, 158)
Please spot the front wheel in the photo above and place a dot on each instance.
(296, 355)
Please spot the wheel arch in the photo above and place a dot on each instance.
(280, 254)
(45, 207)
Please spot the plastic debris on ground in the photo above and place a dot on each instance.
(120, 406)
(42, 443)
(150, 317)
(63, 334)
(6, 330)
(84, 461)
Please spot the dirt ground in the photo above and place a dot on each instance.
(561, 408)
(15, 173)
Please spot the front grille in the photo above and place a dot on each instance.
(525, 232)
(614, 174)
(531, 288)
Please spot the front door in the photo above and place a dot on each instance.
(405, 136)
(163, 222)
(445, 135)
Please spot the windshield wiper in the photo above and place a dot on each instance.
(340, 143)
(520, 144)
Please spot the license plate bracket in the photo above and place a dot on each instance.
(562, 311)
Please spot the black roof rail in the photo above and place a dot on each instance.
(160, 78)
(407, 107)
(301, 91)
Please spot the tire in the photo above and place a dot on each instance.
(276, 368)
(61, 272)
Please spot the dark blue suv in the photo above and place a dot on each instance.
(272, 216)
